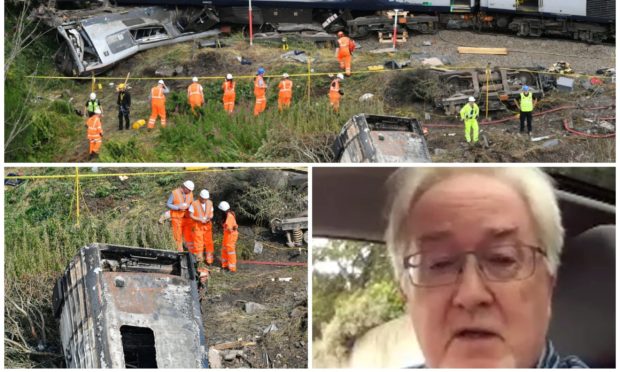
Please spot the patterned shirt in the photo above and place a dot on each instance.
(551, 359)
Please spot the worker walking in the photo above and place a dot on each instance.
(346, 46)
(201, 211)
(229, 94)
(286, 92)
(124, 105)
(94, 133)
(469, 114)
(259, 92)
(158, 104)
(92, 104)
(195, 96)
(335, 92)
(526, 106)
(229, 241)
(179, 202)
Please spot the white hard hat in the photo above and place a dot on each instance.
(93, 95)
(228, 76)
(98, 111)
(195, 79)
(340, 76)
(285, 75)
(223, 206)
(204, 194)
(160, 82)
(189, 185)
(471, 99)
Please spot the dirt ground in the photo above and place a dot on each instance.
(286, 308)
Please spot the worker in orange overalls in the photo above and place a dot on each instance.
(179, 202)
(201, 211)
(94, 133)
(229, 241)
(195, 96)
(229, 93)
(335, 92)
(286, 92)
(158, 104)
(346, 47)
(259, 92)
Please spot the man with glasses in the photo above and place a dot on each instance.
(476, 252)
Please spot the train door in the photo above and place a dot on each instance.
(461, 6)
(528, 6)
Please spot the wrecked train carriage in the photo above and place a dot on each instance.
(97, 43)
(381, 139)
(296, 230)
(122, 307)
(504, 85)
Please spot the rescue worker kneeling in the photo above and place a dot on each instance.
(201, 211)
(469, 114)
(94, 133)
(229, 241)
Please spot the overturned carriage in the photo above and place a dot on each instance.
(125, 307)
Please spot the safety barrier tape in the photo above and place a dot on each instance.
(272, 263)
(95, 175)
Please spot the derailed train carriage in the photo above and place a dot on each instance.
(126, 307)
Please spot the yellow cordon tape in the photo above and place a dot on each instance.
(73, 176)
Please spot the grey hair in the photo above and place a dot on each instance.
(536, 188)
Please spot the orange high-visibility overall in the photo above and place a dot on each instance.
(158, 107)
(229, 242)
(94, 134)
(344, 54)
(195, 96)
(285, 94)
(203, 235)
(334, 94)
(259, 93)
(229, 96)
(178, 218)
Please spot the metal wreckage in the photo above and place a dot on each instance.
(126, 307)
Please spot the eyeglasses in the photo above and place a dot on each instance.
(500, 263)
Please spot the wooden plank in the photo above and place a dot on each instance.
(233, 345)
(470, 50)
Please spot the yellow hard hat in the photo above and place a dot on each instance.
(121, 86)
(138, 124)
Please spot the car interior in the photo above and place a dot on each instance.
(350, 203)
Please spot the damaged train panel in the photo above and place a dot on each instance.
(123, 307)
(95, 43)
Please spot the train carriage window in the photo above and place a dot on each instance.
(149, 34)
(138, 347)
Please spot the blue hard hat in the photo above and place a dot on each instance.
(526, 88)
(261, 71)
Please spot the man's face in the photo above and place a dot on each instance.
(185, 190)
(475, 322)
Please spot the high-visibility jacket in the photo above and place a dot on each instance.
(259, 86)
(229, 88)
(527, 104)
(95, 131)
(230, 225)
(344, 46)
(157, 94)
(334, 89)
(468, 112)
(194, 89)
(178, 198)
(286, 88)
(92, 105)
(199, 212)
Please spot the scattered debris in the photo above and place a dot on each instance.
(366, 97)
(551, 143)
(297, 55)
(537, 139)
(215, 358)
(565, 84)
(427, 43)
(253, 307)
(285, 279)
(471, 50)
(214, 43)
(270, 328)
(607, 126)
(433, 62)
(427, 116)
(231, 355)
(561, 67)
(244, 61)
(396, 65)
(258, 247)
(13, 182)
